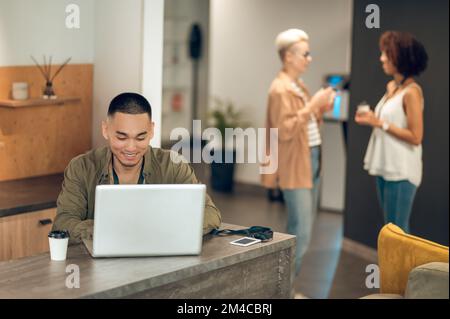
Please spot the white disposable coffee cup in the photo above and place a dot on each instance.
(58, 241)
(363, 108)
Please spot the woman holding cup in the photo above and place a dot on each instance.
(297, 116)
(394, 153)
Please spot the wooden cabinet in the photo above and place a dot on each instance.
(25, 234)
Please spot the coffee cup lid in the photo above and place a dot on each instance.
(59, 234)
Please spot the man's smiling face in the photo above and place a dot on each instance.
(128, 136)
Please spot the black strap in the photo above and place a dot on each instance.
(258, 232)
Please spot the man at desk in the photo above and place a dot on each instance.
(128, 159)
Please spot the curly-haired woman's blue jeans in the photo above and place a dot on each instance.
(396, 200)
(302, 207)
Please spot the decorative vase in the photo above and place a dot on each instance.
(46, 71)
(48, 91)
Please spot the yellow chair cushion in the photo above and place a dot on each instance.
(399, 253)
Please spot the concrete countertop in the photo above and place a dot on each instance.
(39, 277)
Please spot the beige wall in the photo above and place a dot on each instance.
(128, 56)
(29, 27)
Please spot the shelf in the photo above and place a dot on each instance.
(38, 102)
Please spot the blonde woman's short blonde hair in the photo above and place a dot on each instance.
(285, 39)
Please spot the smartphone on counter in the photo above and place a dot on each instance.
(245, 241)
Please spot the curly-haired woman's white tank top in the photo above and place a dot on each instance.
(386, 155)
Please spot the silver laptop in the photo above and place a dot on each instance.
(147, 220)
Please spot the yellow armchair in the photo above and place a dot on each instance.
(399, 253)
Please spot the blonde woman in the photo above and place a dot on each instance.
(297, 117)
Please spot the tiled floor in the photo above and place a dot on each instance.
(349, 278)
(327, 272)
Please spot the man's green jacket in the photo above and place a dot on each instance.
(76, 202)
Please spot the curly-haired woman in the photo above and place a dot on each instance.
(394, 153)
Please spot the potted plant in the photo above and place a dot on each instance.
(224, 115)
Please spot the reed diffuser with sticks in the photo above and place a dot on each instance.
(46, 71)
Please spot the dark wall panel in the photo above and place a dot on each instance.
(428, 20)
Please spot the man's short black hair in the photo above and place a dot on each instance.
(130, 103)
